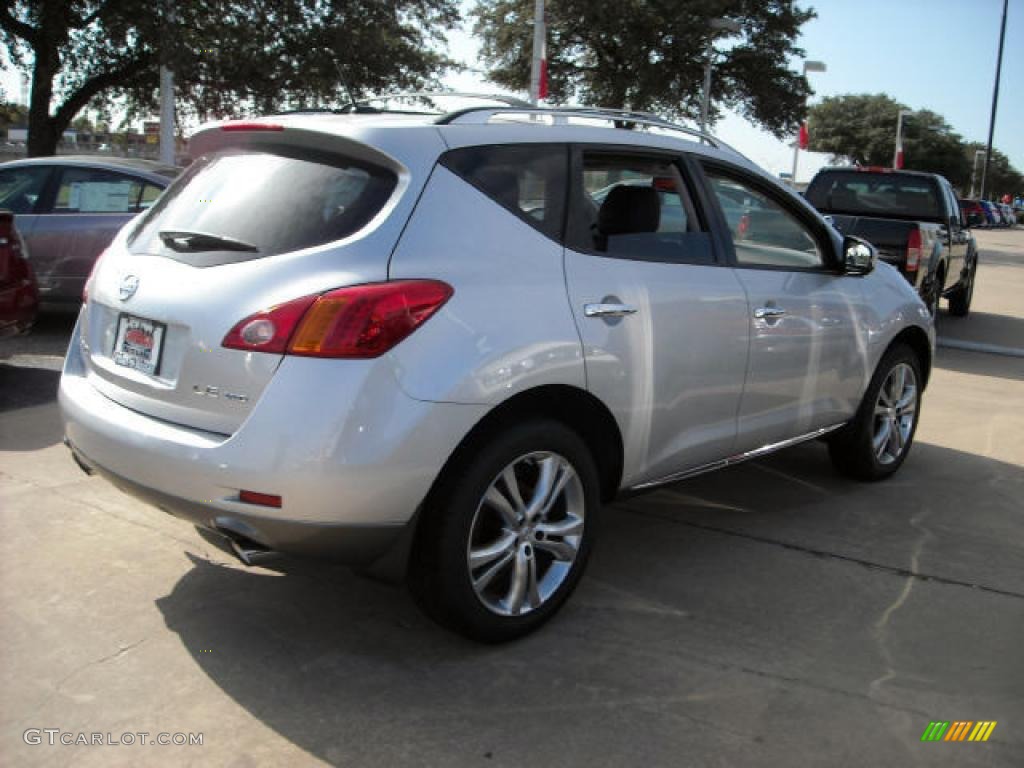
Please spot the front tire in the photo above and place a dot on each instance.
(876, 442)
(505, 536)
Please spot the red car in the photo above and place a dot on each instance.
(19, 293)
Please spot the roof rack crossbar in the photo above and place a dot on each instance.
(483, 115)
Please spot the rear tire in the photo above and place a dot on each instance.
(960, 301)
(496, 555)
(877, 440)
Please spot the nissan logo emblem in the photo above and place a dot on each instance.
(129, 285)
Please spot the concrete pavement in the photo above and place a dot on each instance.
(770, 614)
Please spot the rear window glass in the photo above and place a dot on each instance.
(526, 179)
(875, 194)
(238, 205)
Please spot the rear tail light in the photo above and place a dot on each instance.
(363, 321)
(913, 250)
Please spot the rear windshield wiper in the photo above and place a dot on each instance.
(193, 242)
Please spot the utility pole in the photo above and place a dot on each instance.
(995, 101)
(167, 92)
(537, 63)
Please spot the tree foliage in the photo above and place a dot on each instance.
(650, 54)
(861, 128)
(227, 55)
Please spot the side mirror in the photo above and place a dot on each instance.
(859, 256)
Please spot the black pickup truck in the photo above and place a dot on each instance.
(914, 221)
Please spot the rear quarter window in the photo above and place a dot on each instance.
(525, 179)
(275, 202)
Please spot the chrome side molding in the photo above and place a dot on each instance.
(764, 450)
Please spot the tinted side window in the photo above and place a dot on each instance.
(20, 187)
(526, 179)
(90, 190)
(634, 207)
(763, 232)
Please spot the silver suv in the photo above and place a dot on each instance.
(436, 345)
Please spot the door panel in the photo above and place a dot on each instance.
(806, 369)
(672, 372)
(807, 366)
(671, 368)
(89, 207)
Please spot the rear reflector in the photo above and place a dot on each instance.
(913, 250)
(263, 499)
(362, 321)
(243, 125)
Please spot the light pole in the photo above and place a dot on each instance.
(974, 172)
(717, 25)
(995, 102)
(809, 66)
(897, 156)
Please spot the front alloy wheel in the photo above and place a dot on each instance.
(895, 413)
(877, 440)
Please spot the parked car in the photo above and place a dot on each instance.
(992, 216)
(19, 293)
(915, 222)
(420, 345)
(973, 213)
(69, 208)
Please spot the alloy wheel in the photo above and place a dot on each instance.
(895, 412)
(526, 533)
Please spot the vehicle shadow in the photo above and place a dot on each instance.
(983, 328)
(702, 580)
(980, 363)
(27, 395)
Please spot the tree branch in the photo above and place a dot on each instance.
(18, 28)
(96, 84)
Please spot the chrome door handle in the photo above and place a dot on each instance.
(763, 313)
(608, 310)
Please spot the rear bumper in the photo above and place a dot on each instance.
(351, 456)
(351, 544)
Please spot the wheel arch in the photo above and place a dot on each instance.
(575, 407)
(578, 409)
(916, 338)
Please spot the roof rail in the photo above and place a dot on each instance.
(365, 106)
(620, 118)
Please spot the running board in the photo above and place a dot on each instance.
(739, 458)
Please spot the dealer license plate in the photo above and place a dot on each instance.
(138, 344)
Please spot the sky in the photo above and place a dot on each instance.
(928, 54)
(934, 54)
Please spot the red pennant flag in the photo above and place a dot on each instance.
(805, 137)
(542, 88)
